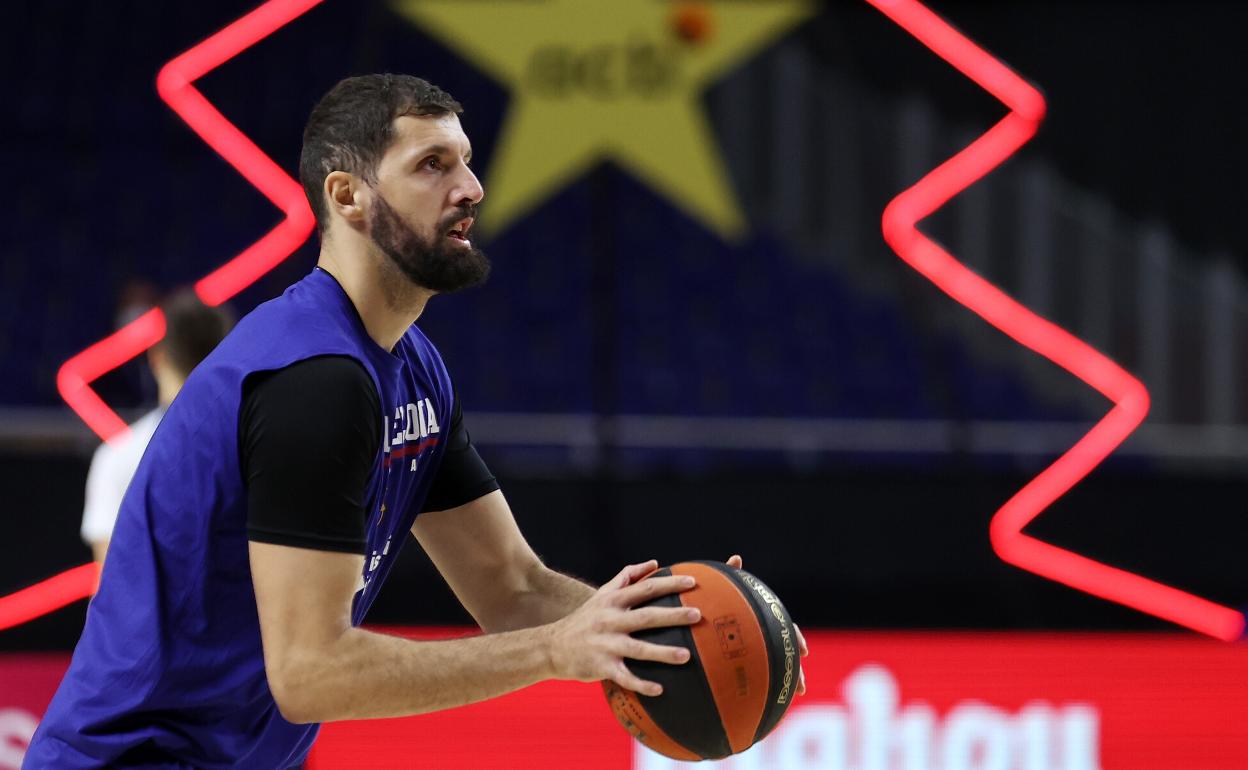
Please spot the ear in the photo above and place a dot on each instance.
(345, 195)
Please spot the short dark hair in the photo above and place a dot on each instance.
(192, 329)
(351, 127)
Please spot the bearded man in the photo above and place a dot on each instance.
(275, 494)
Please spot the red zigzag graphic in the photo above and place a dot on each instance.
(174, 86)
(1129, 396)
(74, 378)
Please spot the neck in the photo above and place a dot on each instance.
(167, 386)
(387, 301)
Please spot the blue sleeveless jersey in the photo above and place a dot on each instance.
(170, 664)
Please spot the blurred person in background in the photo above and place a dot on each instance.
(192, 330)
(130, 386)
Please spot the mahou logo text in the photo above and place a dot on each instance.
(872, 730)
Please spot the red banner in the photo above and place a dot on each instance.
(27, 682)
(877, 701)
(886, 701)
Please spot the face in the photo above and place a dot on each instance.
(424, 203)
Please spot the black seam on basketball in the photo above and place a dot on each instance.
(773, 711)
(686, 691)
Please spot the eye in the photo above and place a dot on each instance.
(433, 163)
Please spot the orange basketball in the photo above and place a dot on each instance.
(740, 678)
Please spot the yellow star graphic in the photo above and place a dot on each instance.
(595, 80)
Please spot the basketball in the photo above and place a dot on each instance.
(740, 679)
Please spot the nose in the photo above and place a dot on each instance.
(468, 189)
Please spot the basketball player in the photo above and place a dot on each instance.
(278, 489)
(192, 330)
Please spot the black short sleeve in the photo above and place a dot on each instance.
(463, 475)
(308, 436)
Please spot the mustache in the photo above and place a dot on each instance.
(462, 212)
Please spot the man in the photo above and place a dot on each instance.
(192, 330)
(276, 492)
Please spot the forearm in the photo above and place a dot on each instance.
(365, 675)
(544, 597)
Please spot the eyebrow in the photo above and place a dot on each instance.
(441, 149)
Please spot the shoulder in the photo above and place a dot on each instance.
(330, 395)
(417, 349)
(322, 408)
(415, 340)
(323, 380)
(295, 326)
(286, 320)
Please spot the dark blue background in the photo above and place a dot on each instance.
(608, 301)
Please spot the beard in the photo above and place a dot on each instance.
(435, 264)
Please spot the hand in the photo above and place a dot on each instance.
(734, 561)
(592, 642)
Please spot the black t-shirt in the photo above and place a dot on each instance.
(307, 438)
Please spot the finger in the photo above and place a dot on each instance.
(734, 561)
(634, 572)
(659, 617)
(801, 681)
(625, 678)
(801, 642)
(645, 590)
(628, 647)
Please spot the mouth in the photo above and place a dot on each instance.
(459, 231)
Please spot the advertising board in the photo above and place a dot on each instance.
(876, 701)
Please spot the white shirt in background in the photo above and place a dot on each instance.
(112, 467)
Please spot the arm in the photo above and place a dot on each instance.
(468, 531)
(320, 668)
(494, 573)
(306, 525)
